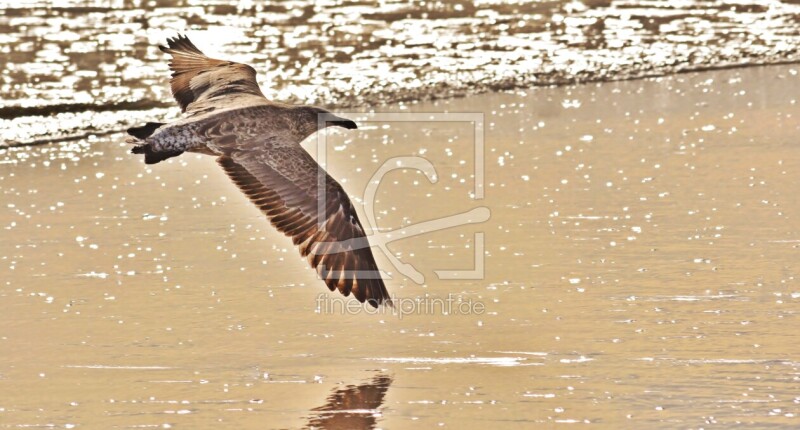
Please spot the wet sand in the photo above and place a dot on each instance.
(641, 272)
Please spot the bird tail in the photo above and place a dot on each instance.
(151, 156)
(144, 131)
(139, 136)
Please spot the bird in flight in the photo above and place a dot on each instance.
(257, 143)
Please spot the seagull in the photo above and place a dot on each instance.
(257, 143)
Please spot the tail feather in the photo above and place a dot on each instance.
(153, 157)
(144, 131)
(142, 147)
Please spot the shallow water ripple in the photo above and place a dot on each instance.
(101, 56)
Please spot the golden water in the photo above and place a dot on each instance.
(640, 272)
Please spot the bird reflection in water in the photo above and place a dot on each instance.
(353, 406)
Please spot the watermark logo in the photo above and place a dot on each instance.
(379, 237)
(451, 305)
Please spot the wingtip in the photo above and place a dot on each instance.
(179, 42)
(177, 38)
(170, 43)
(384, 301)
(375, 294)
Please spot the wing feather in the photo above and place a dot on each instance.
(203, 84)
(336, 245)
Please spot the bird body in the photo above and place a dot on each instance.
(219, 131)
(257, 143)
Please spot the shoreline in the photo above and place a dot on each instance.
(149, 106)
(68, 73)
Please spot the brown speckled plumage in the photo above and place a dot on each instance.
(257, 143)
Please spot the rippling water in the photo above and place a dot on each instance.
(641, 273)
(92, 66)
(641, 258)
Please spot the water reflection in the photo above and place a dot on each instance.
(352, 407)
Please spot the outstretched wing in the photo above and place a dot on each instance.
(283, 182)
(202, 84)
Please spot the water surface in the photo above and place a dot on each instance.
(93, 66)
(640, 272)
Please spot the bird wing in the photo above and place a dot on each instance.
(283, 181)
(201, 84)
